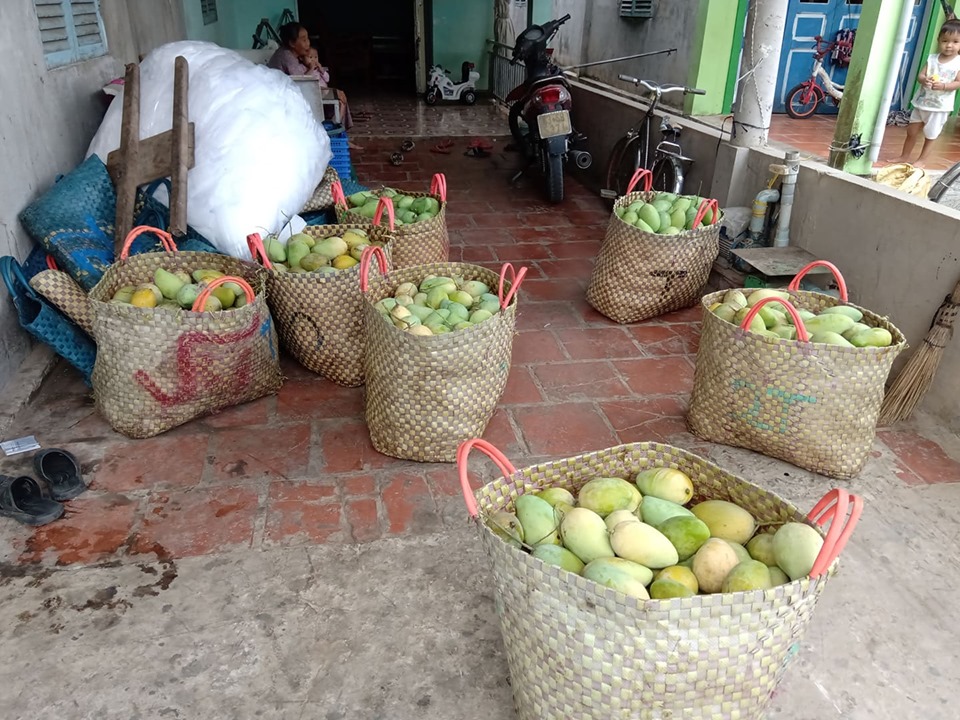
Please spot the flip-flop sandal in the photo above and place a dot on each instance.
(61, 471)
(443, 148)
(27, 501)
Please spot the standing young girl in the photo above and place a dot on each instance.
(934, 100)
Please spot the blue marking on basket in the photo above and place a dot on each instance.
(786, 399)
(265, 332)
(88, 249)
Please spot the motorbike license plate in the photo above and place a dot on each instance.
(554, 123)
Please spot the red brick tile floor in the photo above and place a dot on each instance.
(298, 469)
(814, 136)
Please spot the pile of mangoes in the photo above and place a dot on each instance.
(667, 214)
(307, 254)
(178, 290)
(407, 209)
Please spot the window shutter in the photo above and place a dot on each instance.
(637, 8)
(70, 30)
(53, 26)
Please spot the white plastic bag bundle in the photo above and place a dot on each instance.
(259, 151)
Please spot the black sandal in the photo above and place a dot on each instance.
(27, 501)
(61, 471)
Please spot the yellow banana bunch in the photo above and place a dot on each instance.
(904, 177)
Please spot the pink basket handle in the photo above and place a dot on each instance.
(641, 173)
(205, 293)
(802, 335)
(707, 204)
(506, 467)
(438, 186)
(833, 507)
(385, 203)
(515, 279)
(166, 239)
(336, 192)
(257, 251)
(51, 263)
(841, 283)
(369, 252)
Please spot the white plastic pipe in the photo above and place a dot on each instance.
(788, 187)
(765, 196)
(893, 77)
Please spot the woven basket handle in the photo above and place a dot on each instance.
(12, 275)
(833, 507)
(166, 239)
(506, 467)
(205, 293)
(438, 186)
(707, 204)
(802, 334)
(647, 177)
(369, 252)
(515, 279)
(385, 203)
(795, 283)
(258, 251)
(51, 263)
(336, 191)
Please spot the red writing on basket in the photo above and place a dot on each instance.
(771, 395)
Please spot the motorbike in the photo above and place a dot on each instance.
(540, 111)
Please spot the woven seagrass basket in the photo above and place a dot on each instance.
(640, 275)
(419, 243)
(66, 294)
(426, 395)
(322, 198)
(578, 650)
(320, 317)
(158, 368)
(810, 404)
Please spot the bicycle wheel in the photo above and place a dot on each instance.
(623, 163)
(802, 101)
(668, 175)
(946, 190)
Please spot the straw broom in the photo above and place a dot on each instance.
(906, 392)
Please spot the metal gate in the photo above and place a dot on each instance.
(808, 18)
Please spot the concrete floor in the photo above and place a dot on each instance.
(267, 563)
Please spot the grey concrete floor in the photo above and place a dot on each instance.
(406, 628)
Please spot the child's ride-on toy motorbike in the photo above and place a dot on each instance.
(540, 113)
(441, 87)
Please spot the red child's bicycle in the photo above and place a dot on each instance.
(804, 99)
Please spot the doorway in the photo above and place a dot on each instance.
(808, 18)
(377, 48)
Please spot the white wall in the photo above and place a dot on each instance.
(50, 117)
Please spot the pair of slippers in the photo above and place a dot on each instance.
(40, 501)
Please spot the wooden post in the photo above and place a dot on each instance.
(182, 154)
(125, 175)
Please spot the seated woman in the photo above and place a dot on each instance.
(295, 56)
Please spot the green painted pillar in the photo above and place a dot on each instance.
(719, 34)
(870, 65)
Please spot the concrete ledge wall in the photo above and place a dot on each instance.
(900, 255)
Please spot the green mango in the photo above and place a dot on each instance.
(848, 310)
(641, 225)
(630, 217)
(649, 214)
(872, 337)
(678, 218)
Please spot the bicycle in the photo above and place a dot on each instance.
(632, 151)
(804, 99)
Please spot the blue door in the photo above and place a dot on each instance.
(808, 18)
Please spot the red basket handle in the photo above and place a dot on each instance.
(438, 186)
(488, 449)
(802, 335)
(515, 279)
(336, 191)
(833, 507)
(387, 203)
(647, 177)
(795, 283)
(257, 251)
(707, 204)
(166, 239)
(369, 252)
(205, 293)
(51, 263)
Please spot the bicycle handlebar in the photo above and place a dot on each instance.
(665, 88)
